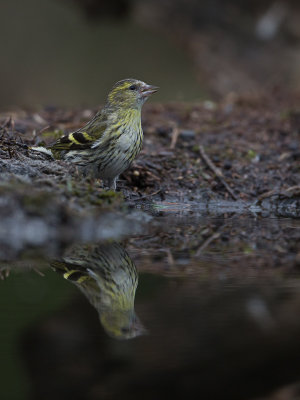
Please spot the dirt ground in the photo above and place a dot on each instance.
(253, 142)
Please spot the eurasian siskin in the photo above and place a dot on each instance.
(107, 144)
(108, 277)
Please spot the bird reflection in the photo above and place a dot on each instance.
(107, 276)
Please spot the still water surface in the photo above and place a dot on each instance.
(206, 306)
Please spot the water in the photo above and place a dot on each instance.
(214, 313)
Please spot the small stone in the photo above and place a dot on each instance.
(209, 105)
(293, 145)
(227, 164)
(187, 134)
(163, 130)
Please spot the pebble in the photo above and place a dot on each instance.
(187, 134)
(227, 164)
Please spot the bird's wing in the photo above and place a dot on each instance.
(84, 137)
(81, 277)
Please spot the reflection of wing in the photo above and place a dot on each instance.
(108, 278)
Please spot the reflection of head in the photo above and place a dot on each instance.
(121, 324)
(108, 278)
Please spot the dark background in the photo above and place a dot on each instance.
(70, 52)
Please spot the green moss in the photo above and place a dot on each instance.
(107, 197)
(88, 194)
(251, 154)
(36, 202)
(248, 250)
(289, 114)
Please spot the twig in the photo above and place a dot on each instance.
(12, 142)
(170, 258)
(43, 129)
(292, 188)
(40, 273)
(147, 196)
(216, 171)
(277, 192)
(207, 242)
(4, 273)
(268, 194)
(175, 134)
(8, 122)
(155, 177)
(215, 235)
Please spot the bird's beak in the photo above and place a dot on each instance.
(138, 328)
(147, 90)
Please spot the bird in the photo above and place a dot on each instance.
(111, 140)
(107, 276)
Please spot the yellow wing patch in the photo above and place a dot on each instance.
(72, 139)
(75, 275)
(79, 137)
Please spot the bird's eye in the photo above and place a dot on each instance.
(132, 87)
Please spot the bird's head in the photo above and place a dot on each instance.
(130, 93)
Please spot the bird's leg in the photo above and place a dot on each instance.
(111, 183)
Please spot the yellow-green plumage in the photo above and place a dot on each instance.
(107, 144)
(107, 276)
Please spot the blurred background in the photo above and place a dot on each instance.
(70, 52)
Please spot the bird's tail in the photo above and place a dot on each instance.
(41, 149)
